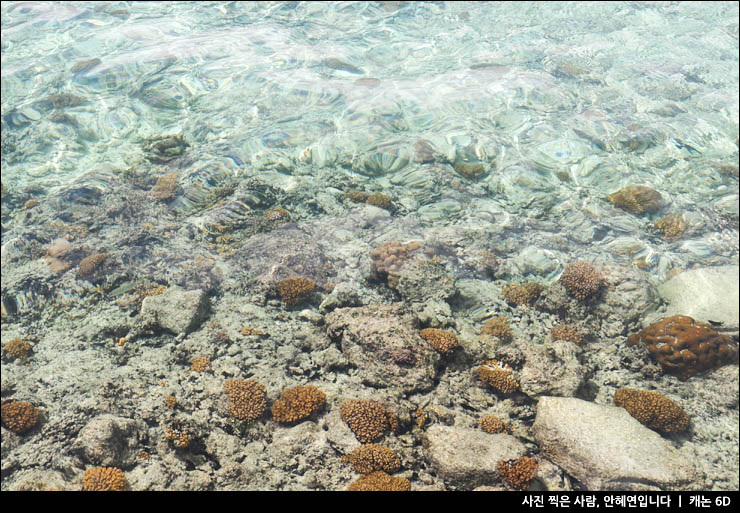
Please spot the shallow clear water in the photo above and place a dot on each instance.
(558, 102)
(496, 127)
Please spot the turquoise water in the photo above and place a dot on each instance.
(548, 105)
(494, 129)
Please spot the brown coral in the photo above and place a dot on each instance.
(356, 196)
(166, 187)
(566, 332)
(277, 214)
(652, 409)
(671, 227)
(491, 424)
(200, 363)
(388, 259)
(368, 420)
(295, 290)
(17, 348)
(379, 482)
(371, 457)
(104, 479)
(246, 399)
(298, 403)
(581, 279)
(637, 199)
(498, 376)
(19, 416)
(684, 347)
(522, 294)
(518, 474)
(442, 341)
(497, 327)
(379, 200)
(90, 264)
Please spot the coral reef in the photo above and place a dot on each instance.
(356, 196)
(497, 327)
(498, 376)
(637, 199)
(379, 200)
(104, 479)
(89, 264)
(200, 363)
(523, 293)
(17, 348)
(163, 149)
(379, 482)
(246, 399)
(277, 214)
(19, 416)
(170, 401)
(581, 279)
(518, 474)
(491, 424)
(652, 409)
(442, 341)
(371, 458)
(166, 187)
(387, 259)
(566, 332)
(295, 290)
(368, 420)
(297, 404)
(671, 227)
(684, 347)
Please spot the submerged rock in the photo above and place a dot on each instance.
(604, 448)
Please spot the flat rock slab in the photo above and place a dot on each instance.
(176, 309)
(705, 294)
(467, 458)
(604, 448)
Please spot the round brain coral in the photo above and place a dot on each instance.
(581, 279)
(104, 479)
(520, 473)
(442, 341)
(368, 420)
(684, 347)
(652, 409)
(371, 457)
(498, 376)
(379, 482)
(297, 403)
(246, 399)
(19, 416)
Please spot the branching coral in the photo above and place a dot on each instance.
(371, 457)
(498, 376)
(295, 290)
(19, 416)
(368, 420)
(520, 473)
(298, 403)
(246, 399)
(379, 482)
(523, 293)
(581, 279)
(652, 409)
(104, 479)
(442, 341)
